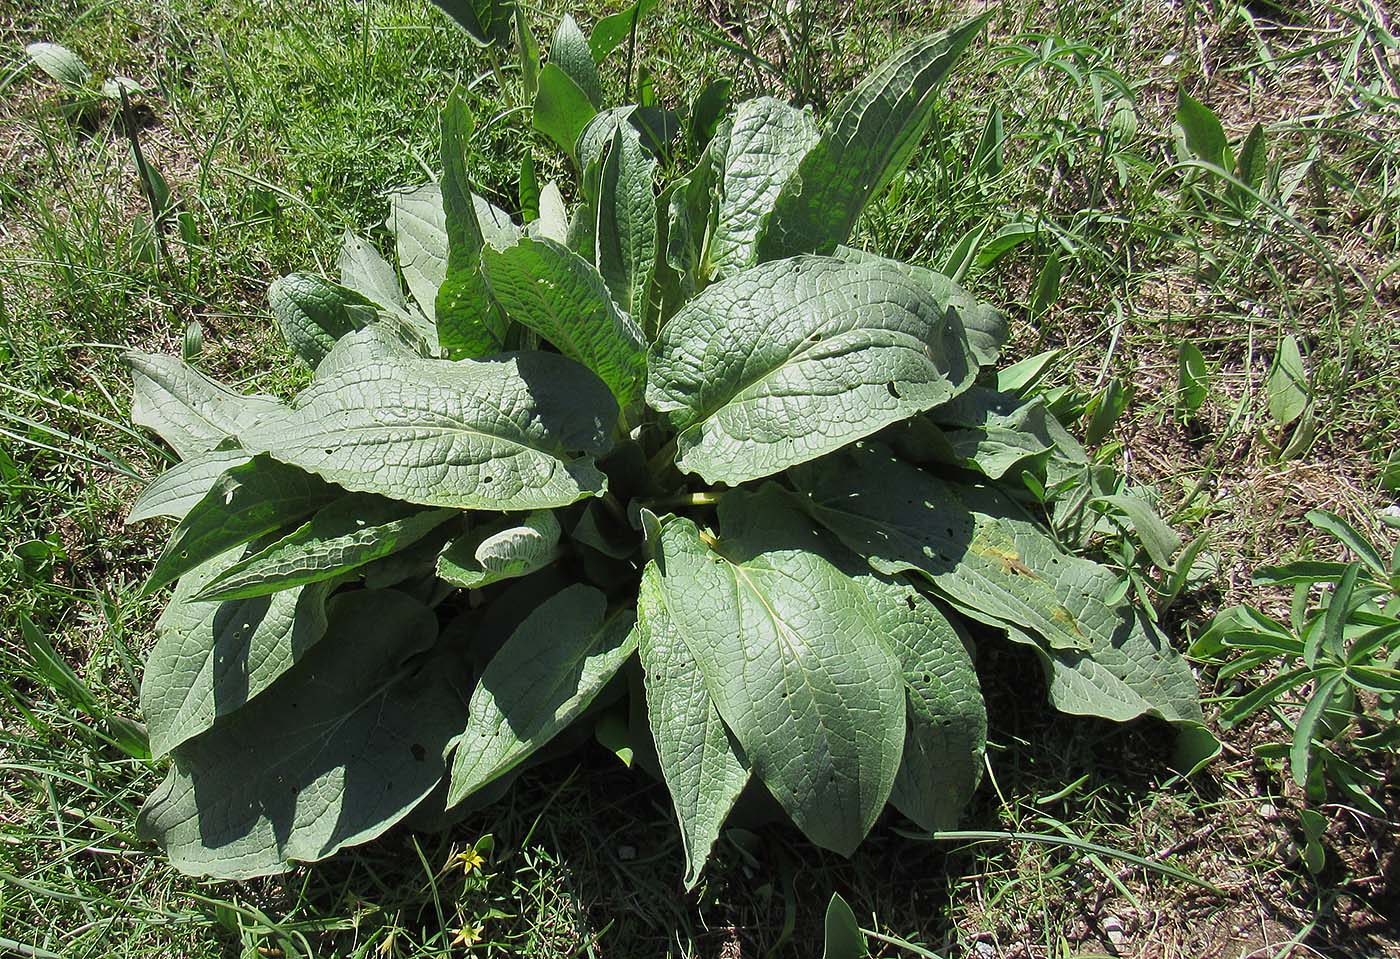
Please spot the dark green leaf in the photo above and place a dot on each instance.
(562, 109)
(246, 502)
(1205, 137)
(867, 139)
(355, 742)
(843, 938)
(540, 681)
(795, 358)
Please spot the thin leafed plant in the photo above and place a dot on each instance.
(679, 455)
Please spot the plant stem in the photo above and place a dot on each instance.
(662, 459)
(701, 498)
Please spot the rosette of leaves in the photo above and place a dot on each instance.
(682, 447)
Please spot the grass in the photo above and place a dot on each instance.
(279, 125)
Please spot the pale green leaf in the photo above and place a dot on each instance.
(569, 51)
(313, 314)
(1287, 387)
(767, 140)
(699, 762)
(175, 492)
(538, 683)
(187, 409)
(559, 295)
(60, 64)
(610, 32)
(980, 551)
(625, 238)
(419, 225)
(364, 271)
(1205, 137)
(976, 546)
(247, 501)
(791, 654)
(867, 139)
(483, 434)
(469, 324)
(210, 659)
(985, 325)
(355, 741)
(503, 550)
(792, 359)
(342, 536)
(942, 760)
(562, 110)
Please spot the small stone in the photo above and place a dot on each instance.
(1114, 930)
(626, 853)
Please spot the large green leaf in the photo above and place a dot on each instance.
(562, 110)
(487, 22)
(483, 434)
(985, 325)
(504, 550)
(419, 225)
(569, 51)
(313, 314)
(981, 552)
(790, 360)
(699, 761)
(210, 659)
(364, 271)
(767, 140)
(175, 492)
(1138, 674)
(867, 139)
(560, 296)
(247, 501)
(625, 239)
(187, 409)
(791, 654)
(356, 737)
(978, 548)
(942, 760)
(469, 324)
(539, 682)
(345, 535)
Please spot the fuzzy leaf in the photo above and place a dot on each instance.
(789, 650)
(625, 239)
(793, 359)
(766, 142)
(569, 51)
(867, 139)
(699, 762)
(556, 293)
(986, 557)
(175, 492)
(313, 314)
(187, 409)
(245, 502)
(355, 742)
(419, 225)
(501, 551)
(345, 535)
(942, 760)
(483, 434)
(211, 659)
(469, 324)
(539, 682)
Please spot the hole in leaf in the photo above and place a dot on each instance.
(894, 390)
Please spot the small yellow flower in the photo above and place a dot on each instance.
(386, 948)
(467, 936)
(470, 861)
